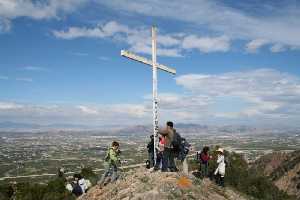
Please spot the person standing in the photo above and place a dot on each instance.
(204, 158)
(112, 161)
(220, 171)
(168, 154)
(160, 151)
(150, 148)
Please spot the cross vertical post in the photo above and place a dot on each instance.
(154, 65)
(155, 98)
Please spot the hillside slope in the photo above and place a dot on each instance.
(283, 169)
(142, 184)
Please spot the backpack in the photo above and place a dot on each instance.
(77, 190)
(107, 157)
(181, 147)
(226, 161)
(177, 141)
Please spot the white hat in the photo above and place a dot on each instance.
(220, 150)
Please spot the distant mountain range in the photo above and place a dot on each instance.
(30, 126)
(186, 128)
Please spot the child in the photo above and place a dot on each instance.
(160, 150)
(112, 161)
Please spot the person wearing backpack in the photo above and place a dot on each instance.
(76, 188)
(220, 171)
(168, 161)
(204, 158)
(112, 161)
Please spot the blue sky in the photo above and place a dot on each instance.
(237, 62)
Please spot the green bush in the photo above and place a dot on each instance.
(88, 173)
(54, 190)
(6, 192)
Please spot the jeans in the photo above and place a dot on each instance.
(168, 160)
(159, 159)
(204, 169)
(110, 170)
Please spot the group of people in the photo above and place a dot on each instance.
(166, 150)
(78, 185)
(219, 172)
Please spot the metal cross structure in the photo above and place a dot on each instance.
(155, 66)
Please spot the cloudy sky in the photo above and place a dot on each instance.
(237, 61)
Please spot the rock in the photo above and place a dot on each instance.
(145, 185)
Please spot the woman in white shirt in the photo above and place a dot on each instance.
(220, 171)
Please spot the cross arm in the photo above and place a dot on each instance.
(140, 59)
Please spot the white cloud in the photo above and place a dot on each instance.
(254, 45)
(82, 114)
(139, 39)
(268, 93)
(24, 79)
(88, 110)
(9, 106)
(206, 44)
(253, 96)
(38, 10)
(276, 48)
(279, 24)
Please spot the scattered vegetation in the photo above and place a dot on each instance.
(53, 190)
(238, 175)
(286, 166)
(245, 180)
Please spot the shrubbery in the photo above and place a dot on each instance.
(53, 190)
(239, 176)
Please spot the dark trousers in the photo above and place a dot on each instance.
(220, 180)
(204, 169)
(159, 159)
(168, 160)
(151, 158)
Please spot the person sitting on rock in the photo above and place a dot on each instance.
(112, 161)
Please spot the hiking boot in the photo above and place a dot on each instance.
(155, 169)
(173, 170)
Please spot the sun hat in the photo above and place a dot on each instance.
(220, 150)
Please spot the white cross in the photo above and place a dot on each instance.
(154, 65)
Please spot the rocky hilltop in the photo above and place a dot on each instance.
(141, 184)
